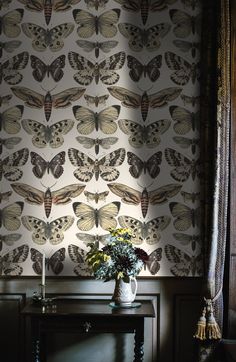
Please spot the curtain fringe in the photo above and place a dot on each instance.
(207, 327)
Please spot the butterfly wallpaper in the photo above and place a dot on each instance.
(100, 129)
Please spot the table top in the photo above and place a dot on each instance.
(88, 307)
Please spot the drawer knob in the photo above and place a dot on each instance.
(87, 326)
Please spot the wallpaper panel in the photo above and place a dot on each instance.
(100, 128)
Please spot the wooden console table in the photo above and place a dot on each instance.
(83, 316)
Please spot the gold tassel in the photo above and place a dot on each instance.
(201, 326)
(212, 327)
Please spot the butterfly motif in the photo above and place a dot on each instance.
(190, 196)
(55, 262)
(144, 6)
(10, 165)
(104, 71)
(132, 196)
(9, 239)
(185, 23)
(10, 118)
(4, 3)
(152, 263)
(186, 239)
(104, 46)
(191, 3)
(96, 4)
(97, 196)
(10, 68)
(96, 100)
(144, 135)
(90, 120)
(185, 120)
(5, 99)
(137, 69)
(105, 143)
(78, 256)
(150, 166)
(40, 69)
(145, 231)
(9, 216)
(47, 231)
(37, 197)
(88, 217)
(59, 100)
(54, 166)
(184, 142)
(4, 196)
(183, 166)
(9, 261)
(140, 38)
(193, 100)
(184, 264)
(130, 99)
(103, 167)
(186, 46)
(89, 24)
(183, 70)
(51, 135)
(47, 6)
(185, 216)
(45, 38)
(9, 23)
(9, 46)
(93, 238)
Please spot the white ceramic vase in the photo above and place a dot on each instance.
(124, 293)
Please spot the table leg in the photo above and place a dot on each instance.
(138, 343)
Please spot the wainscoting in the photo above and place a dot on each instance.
(168, 337)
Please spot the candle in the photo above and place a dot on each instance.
(43, 269)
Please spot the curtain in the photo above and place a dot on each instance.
(215, 126)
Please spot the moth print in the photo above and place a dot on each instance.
(10, 68)
(37, 197)
(9, 216)
(54, 262)
(185, 24)
(183, 70)
(184, 264)
(151, 166)
(9, 46)
(132, 196)
(9, 23)
(104, 71)
(183, 166)
(5, 99)
(187, 46)
(89, 24)
(184, 142)
(185, 121)
(5, 4)
(186, 239)
(145, 101)
(104, 46)
(59, 100)
(9, 143)
(103, 167)
(191, 3)
(145, 231)
(93, 238)
(154, 258)
(9, 239)
(144, 6)
(47, 6)
(185, 216)
(190, 100)
(78, 256)
(4, 196)
(41, 70)
(47, 135)
(10, 119)
(96, 196)
(10, 166)
(9, 262)
(150, 70)
(96, 4)
(105, 143)
(88, 217)
(45, 38)
(140, 38)
(89, 121)
(144, 135)
(47, 231)
(41, 166)
(190, 196)
(96, 100)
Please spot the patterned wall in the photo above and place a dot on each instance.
(99, 128)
